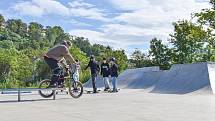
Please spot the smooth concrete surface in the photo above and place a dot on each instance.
(126, 105)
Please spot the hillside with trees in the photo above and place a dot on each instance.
(23, 45)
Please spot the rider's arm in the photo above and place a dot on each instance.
(63, 61)
(69, 58)
(87, 66)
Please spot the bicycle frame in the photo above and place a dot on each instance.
(69, 75)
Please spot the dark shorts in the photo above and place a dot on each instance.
(52, 63)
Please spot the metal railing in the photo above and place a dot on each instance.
(19, 90)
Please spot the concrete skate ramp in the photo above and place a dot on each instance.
(180, 79)
(132, 78)
(99, 83)
(184, 78)
(138, 79)
(211, 74)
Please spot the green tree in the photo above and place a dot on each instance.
(161, 54)
(6, 44)
(83, 44)
(35, 31)
(56, 35)
(62, 37)
(188, 40)
(137, 57)
(16, 68)
(207, 18)
(52, 33)
(2, 21)
(17, 26)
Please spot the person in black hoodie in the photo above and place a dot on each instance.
(94, 68)
(114, 73)
(105, 72)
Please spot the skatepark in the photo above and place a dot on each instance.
(180, 79)
(185, 92)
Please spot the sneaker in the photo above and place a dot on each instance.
(95, 92)
(105, 89)
(115, 90)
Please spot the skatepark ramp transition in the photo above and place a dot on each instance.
(128, 77)
(180, 79)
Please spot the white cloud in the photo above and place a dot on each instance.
(95, 37)
(115, 41)
(78, 8)
(77, 23)
(146, 19)
(52, 7)
(27, 8)
(130, 4)
(157, 16)
(83, 9)
(92, 13)
(142, 20)
(80, 3)
(41, 7)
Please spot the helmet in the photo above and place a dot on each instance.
(92, 57)
(67, 43)
(113, 59)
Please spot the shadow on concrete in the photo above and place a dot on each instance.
(15, 101)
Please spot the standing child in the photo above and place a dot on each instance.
(114, 74)
(105, 72)
(76, 71)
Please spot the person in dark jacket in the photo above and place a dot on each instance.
(114, 73)
(94, 68)
(105, 72)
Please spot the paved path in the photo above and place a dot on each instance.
(127, 105)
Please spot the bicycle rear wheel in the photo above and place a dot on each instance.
(76, 89)
(44, 84)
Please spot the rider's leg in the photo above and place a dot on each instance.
(94, 82)
(56, 75)
(53, 64)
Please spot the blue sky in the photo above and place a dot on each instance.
(126, 24)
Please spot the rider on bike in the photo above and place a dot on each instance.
(53, 58)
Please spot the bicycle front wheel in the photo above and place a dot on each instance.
(76, 89)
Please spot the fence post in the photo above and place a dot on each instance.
(19, 94)
(54, 95)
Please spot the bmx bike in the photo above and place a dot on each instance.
(65, 82)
